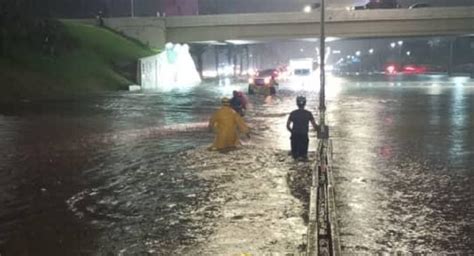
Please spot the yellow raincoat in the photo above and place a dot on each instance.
(226, 123)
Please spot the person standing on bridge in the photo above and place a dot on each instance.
(227, 123)
(298, 125)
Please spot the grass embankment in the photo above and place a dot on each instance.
(94, 60)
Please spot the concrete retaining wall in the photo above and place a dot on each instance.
(150, 31)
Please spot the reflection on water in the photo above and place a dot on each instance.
(403, 165)
(91, 175)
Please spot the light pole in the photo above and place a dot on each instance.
(322, 54)
(132, 8)
(322, 50)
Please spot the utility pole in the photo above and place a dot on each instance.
(132, 8)
(322, 54)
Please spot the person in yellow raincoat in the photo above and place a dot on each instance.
(227, 123)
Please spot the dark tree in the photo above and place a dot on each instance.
(29, 23)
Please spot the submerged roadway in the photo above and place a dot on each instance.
(129, 173)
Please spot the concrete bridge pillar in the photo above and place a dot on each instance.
(451, 56)
(216, 55)
(247, 57)
(229, 55)
(197, 50)
(241, 59)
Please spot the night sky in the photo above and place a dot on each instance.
(230, 6)
(150, 7)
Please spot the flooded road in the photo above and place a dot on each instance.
(129, 173)
(404, 158)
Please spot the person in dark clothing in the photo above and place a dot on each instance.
(236, 103)
(298, 125)
(100, 19)
(243, 101)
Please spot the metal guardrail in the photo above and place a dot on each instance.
(323, 233)
(332, 216)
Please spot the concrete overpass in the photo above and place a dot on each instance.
(340, 23)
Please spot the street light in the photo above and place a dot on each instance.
(400, 43)
(371, 51)
(393, 44)
(307, 9)
(358, 53)
(408, 53)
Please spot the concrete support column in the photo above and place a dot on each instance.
(451, 56)
(247, 56)
(229, 55)
(197, 51)
(234, 61)
(241, 58)
(216, 55)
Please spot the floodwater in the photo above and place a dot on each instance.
(404, 156)
(129, 173)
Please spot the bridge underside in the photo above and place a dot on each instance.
(265, 33)
(264, 27)
(339, 24)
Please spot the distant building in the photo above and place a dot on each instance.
(179, 7)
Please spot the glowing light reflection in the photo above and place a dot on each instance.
(458, 118)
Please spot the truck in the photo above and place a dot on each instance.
(301, 67)
(302, 75)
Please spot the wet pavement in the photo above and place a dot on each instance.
(129, 173)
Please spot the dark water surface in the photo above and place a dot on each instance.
(98, 175)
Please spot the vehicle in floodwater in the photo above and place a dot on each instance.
(301, 72)
(264, 82)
